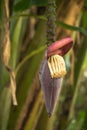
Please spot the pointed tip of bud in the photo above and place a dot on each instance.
(49, 114)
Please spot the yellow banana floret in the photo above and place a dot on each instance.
(56, 66)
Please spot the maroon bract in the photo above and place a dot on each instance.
(60, 47)
(51, 86)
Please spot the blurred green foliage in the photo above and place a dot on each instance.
(28, 43)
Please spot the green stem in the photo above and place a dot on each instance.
(28, 57)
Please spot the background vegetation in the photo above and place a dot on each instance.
(22, 46)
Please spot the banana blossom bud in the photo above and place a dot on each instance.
(52, 70)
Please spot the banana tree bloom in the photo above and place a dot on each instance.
(52, 70)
